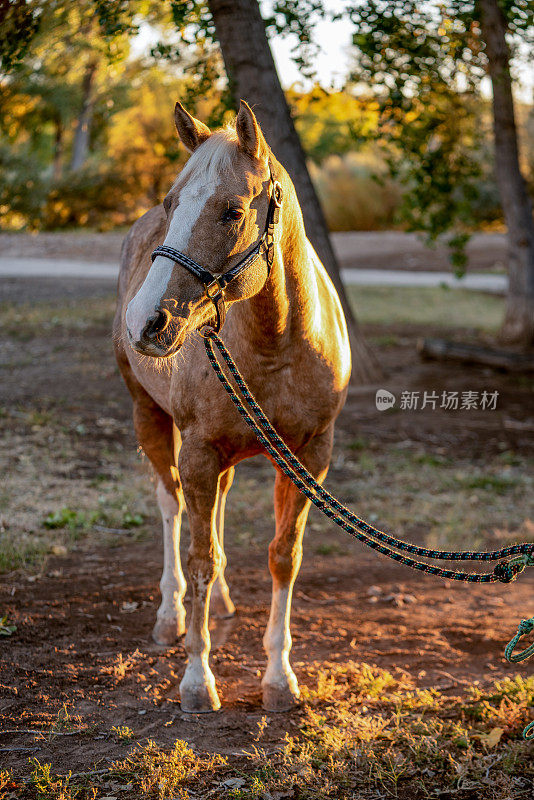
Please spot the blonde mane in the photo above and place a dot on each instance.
(214, 156)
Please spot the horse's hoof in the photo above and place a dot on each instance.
(199, 700)
(166, 631)
(280, 698)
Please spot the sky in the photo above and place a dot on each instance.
(333, 59)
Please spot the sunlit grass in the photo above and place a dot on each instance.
(161, 774)
(362, 731)
(441, 307)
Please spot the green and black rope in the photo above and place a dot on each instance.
(505, 571)
(525, 627)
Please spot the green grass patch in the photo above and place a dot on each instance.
(500, 484)
(448, 308)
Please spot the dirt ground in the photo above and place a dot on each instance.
(82, 645)
(486, 252)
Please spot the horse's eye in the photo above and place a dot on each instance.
(232, 215)
(167, 204)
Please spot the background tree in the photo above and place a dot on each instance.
(426, 62)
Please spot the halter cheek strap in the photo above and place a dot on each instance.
(215, 285)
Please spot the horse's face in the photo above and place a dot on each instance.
(216, 212)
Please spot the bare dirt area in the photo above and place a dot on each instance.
(379, 651)
(486, 252)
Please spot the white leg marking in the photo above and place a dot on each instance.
(197, 689)
(171, 613)
(277, 643)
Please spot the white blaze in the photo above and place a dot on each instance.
(193, 198)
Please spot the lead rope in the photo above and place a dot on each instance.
(504, 571)
(525, 627)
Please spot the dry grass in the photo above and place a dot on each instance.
(356, 193)
(362, 733)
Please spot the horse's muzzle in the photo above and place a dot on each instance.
(162, 336)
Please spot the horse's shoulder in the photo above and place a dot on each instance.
(328, 296)
(328, 321)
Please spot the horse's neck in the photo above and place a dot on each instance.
(273, 316)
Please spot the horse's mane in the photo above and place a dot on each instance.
(214, 156)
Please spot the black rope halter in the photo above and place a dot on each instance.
(214, 285)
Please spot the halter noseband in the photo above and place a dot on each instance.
(214, 285)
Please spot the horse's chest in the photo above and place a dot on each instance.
(202, 408)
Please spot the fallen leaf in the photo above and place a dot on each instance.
(492, 738)
(5, 628)
(127, 608)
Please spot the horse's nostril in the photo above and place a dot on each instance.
(155, 325)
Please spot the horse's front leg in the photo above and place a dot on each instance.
(280, 686)
(199, 468)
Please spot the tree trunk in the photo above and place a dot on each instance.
(57, 169)
(252, 74)
(518, 325)
(80, 147)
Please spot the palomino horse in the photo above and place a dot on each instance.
(285, 328)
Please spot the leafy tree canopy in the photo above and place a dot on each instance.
(425, 63)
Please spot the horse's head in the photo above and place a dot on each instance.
(216, 213)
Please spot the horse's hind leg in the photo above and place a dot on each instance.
(221, 602)
(280, 687)
(154, 430)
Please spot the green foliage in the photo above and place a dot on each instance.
(425, 63)
(19, 23)
(424, 116)
(75, 520)
(64, 518)
(6, 628)
(429, 120)
(331, 122)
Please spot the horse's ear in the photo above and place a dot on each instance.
(192, 132)
(249, 133)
